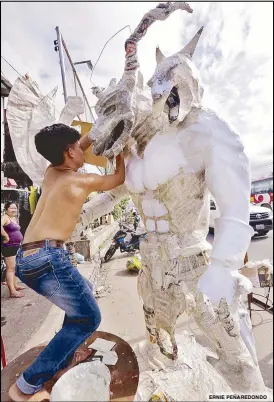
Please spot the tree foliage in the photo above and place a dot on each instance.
(120, 208)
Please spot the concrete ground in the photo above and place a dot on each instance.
(20, 319)
(32, 320)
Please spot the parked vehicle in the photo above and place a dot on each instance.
(261, 218)
(262, 192)
(119, 242)
(136, 220)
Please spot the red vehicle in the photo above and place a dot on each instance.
(262, 192)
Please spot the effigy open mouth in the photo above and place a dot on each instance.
(115, 135)
(172, 105)
(168, 102)
(112, 143)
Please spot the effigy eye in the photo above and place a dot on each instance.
(109, 110)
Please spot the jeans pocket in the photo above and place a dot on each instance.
(42, 279)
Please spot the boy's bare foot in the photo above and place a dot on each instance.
(42, 395)
(17, 396)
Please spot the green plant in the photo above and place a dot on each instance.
(120, 208)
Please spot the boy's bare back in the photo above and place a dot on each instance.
(63, 194)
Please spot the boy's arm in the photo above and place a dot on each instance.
(85, 142)
(93, 182)
(102, 204)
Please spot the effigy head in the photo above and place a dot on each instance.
(115, 118)
(119, 107)
(175, 84)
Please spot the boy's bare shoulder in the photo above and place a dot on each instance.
(85, 178)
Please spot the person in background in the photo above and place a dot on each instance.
(136, 220)
(12, 238)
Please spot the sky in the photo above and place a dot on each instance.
(234, 55)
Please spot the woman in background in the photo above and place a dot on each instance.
(10, 231)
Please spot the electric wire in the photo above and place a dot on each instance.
(127, 26)
(2, 57)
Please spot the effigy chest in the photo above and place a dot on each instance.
(168, 191)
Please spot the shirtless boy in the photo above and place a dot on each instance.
(43, 264)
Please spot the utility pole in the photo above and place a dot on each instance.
(62, 49)
(59, 48)
(77, 78)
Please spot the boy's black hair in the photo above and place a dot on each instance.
(52, 141)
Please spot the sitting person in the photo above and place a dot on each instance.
(44, 265)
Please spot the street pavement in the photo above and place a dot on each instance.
(32, 320)
(261, 247)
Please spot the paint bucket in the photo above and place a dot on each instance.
(85, 382)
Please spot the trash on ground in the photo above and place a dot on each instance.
(102, 345)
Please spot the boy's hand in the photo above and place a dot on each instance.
(119, 161)
(95, 182)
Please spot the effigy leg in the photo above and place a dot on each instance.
(228, 327)
(169, 337)
(169, 305)
(221, 324)
(149, 347)
(145, 291)
(161, 309)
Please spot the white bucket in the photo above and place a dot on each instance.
(86, 382)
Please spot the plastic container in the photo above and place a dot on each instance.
(85, 382)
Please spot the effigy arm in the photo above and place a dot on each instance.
(227, 175)
(100, 205)
(160, 13)
(228, 179)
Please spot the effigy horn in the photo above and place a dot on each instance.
(189, 49)
(159, 55)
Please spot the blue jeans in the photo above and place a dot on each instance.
(50, 273)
